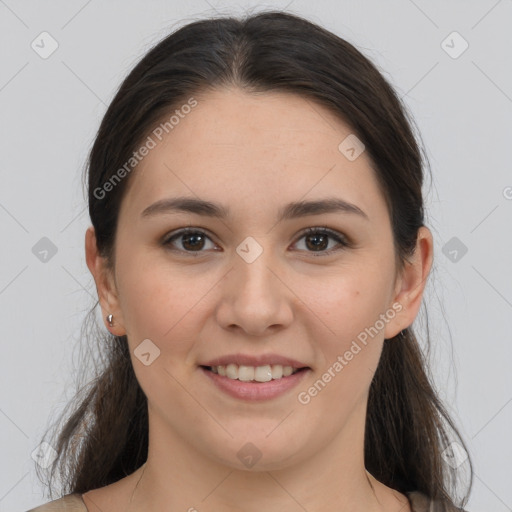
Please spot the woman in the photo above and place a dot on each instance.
(259, 252)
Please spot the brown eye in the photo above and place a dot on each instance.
(317, 240)
(191, 240)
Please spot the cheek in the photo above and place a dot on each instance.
(349, 301)
(348, 306)
(160, 302)
(348, 348)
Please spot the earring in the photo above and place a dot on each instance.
(109, 320)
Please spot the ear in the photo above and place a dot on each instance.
(105, 284)
(411, 283)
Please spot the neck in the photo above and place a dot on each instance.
(178, 476)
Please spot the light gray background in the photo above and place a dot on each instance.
(51, 108)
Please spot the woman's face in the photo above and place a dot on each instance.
(253, 284)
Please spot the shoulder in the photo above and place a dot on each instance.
(422, 503)
(68, 503)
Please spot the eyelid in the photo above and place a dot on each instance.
(184, 231)
(323, 229)
(342, 240)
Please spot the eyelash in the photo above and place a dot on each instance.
(338, 237)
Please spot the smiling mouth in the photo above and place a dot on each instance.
(265, 373)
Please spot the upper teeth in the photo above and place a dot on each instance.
(257, 373)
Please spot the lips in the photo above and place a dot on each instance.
(255, 391)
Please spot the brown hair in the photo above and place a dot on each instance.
(407, 427)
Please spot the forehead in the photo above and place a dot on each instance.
(250, 150)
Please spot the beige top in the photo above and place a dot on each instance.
(74, 503)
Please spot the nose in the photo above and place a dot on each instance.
(256, 296)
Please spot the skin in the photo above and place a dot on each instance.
(254, 153)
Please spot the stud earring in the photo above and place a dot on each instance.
(109, 320)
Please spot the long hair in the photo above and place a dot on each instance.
(105, 437)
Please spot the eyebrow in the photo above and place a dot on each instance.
(290, 211)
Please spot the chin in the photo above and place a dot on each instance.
(259, 453)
